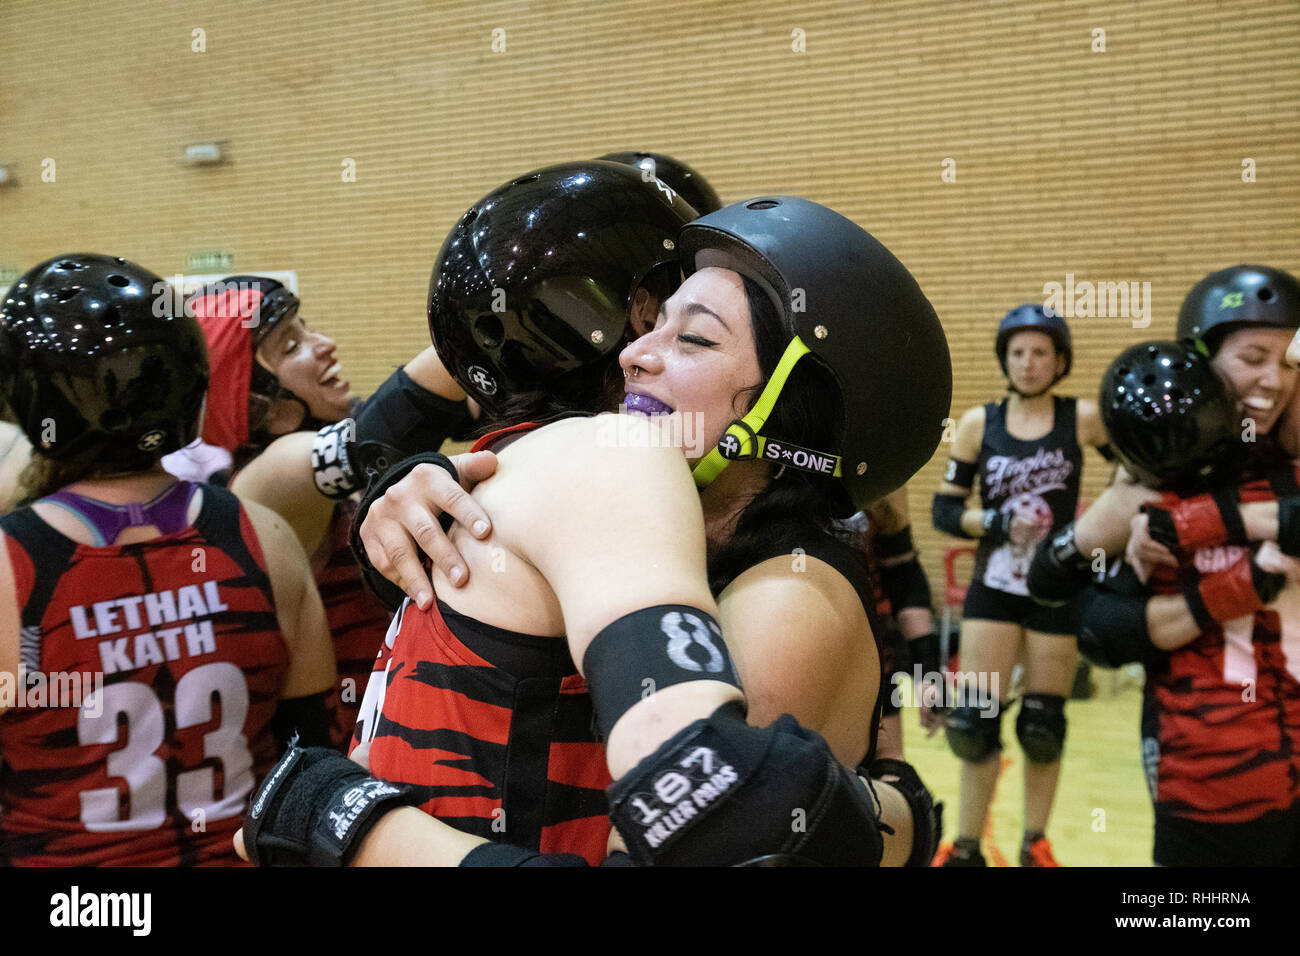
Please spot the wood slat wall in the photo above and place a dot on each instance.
(1119, 166)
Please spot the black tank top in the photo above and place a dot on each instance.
(1040, 476)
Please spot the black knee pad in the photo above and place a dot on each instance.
(1040, 727)
(722, 793)
(974, 734)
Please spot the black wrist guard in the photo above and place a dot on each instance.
(946, 512)
(388, 592)
(648, 650)
(407, 416)
(1058, 572)
(1288, 525)
(1113, 623)
(314, 809)
(997, 527)
(927, 816)
(722, 793)
(341, 465)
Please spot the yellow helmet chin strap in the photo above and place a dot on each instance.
(742, 440)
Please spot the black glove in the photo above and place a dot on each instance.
(315, 808)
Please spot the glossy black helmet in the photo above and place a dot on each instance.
(532, 286)
(1169, 417)
(1035, 317)
(689, 184)
(98, 362)
(850, 305)
(1242, 295)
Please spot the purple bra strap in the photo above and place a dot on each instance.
(167, 512)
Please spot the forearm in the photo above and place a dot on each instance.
(1260, 519)
(897, 816)
(1170, 622)
(410, 837)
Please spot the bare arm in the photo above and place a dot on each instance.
(802, 645)
(1106, 523)
(9, 619)
(578, 529)
(281, 479)
(1091, 430)
(299, 611)
(15, 453)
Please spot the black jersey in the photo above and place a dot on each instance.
(1039, 476)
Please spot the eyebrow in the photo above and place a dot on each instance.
(696, 308)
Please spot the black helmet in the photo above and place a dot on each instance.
(1169, 417)
(97, 364)
(1242, 295)
(689, 184)
(532, 286)
(1033, 316)
(848, 302)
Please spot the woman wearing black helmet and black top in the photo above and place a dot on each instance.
(583, 468)
(1026, 451)
(174, 593)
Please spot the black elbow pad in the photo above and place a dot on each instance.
(1113, 624)
(946, 514)
(1058, 572)
(408, 417)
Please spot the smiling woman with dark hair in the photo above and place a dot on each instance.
(600, 541)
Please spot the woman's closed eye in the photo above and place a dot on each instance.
(696, 340)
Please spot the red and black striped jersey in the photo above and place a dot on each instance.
(357, 621)
(1225, 712)
(494, 730)
(180, 663)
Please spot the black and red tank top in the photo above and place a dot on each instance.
(1039, 476)
(1223, 717)
(161, 663)
(494, 729)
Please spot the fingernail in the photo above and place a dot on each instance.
(422, 600)
(480, 528)
(457, 575)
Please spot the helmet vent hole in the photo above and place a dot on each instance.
(489, 331)
(763, 204)
(1176, 394)
(524, 180)
(112, 316)
(120, 281)
(1148, 379)
(67, 292)
(469, 217)
(68, 265)
(1265, 294)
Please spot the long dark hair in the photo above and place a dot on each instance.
(794, 503)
